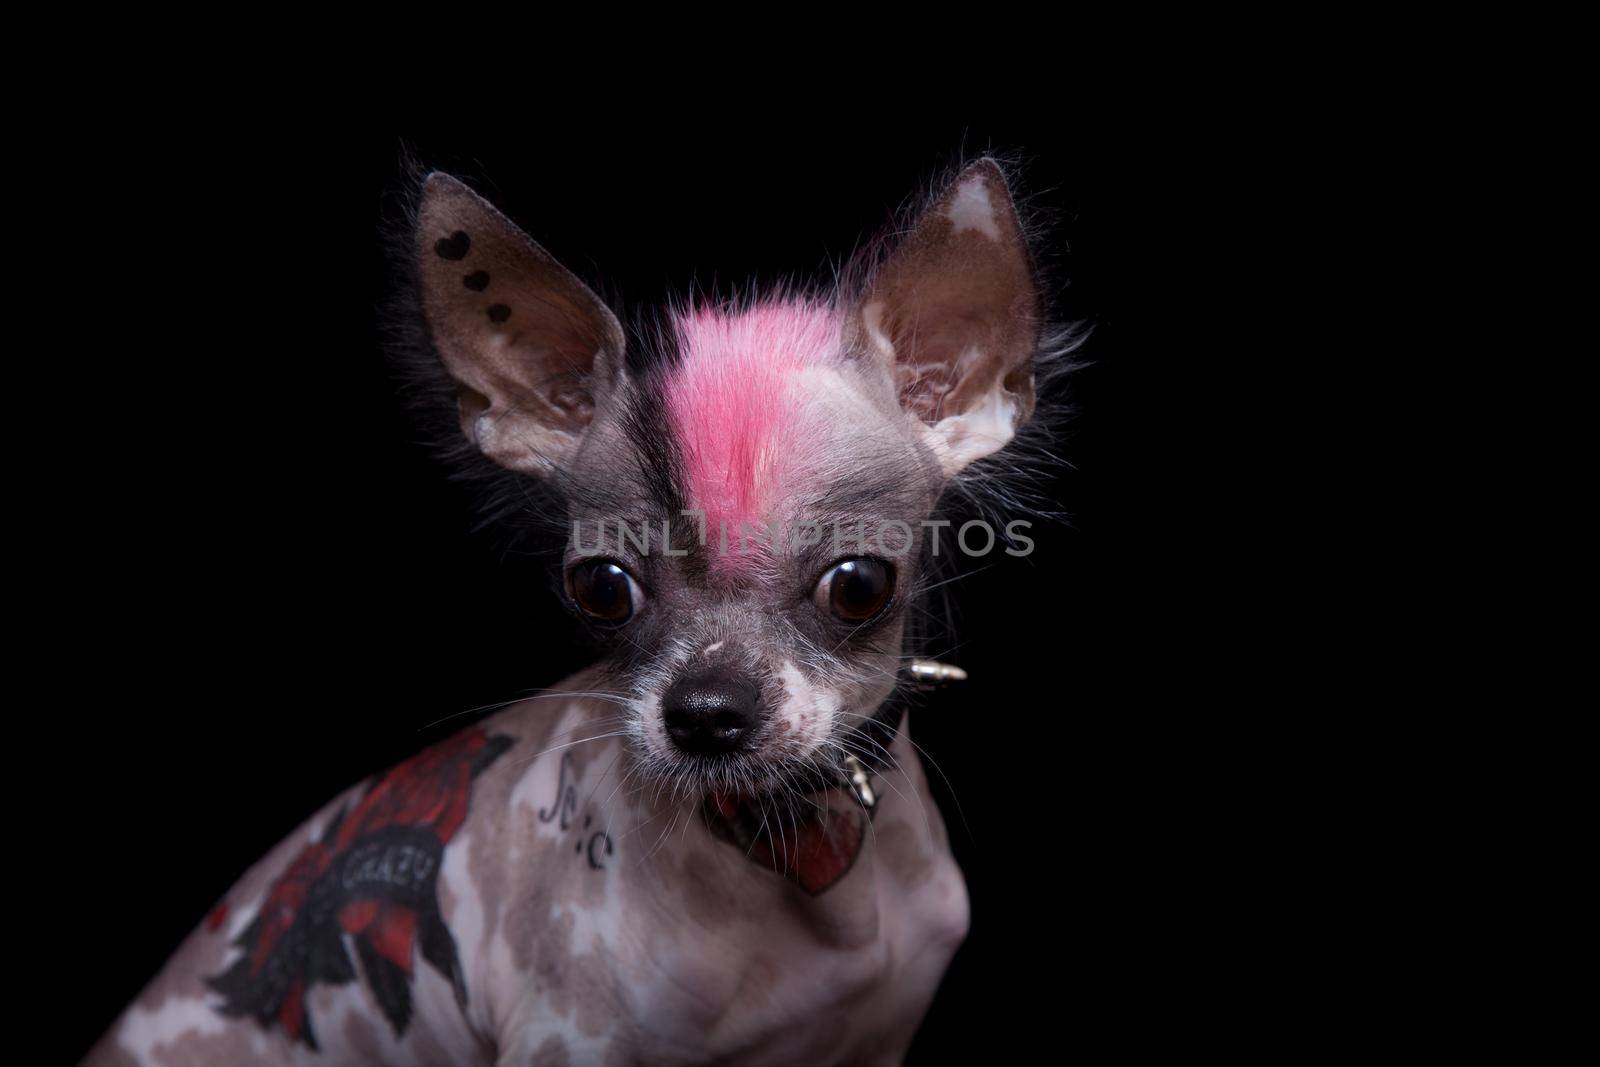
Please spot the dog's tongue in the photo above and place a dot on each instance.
(815, 850)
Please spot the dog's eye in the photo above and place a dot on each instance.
(856, 589)
(604, 591)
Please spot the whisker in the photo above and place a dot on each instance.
(532, 694)
(557, 748)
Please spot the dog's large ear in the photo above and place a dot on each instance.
(955, 312)
(531, 348)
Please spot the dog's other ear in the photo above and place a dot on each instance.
(532, 350)
(955, 312)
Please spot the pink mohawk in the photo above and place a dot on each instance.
(736, 414)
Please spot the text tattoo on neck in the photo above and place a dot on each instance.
(593, 845)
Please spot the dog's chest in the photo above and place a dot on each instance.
(688, 947)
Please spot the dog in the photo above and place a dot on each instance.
(718, 843)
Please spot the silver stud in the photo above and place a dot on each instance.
(860, 782)
(931, 674)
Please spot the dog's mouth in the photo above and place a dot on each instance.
(846, 762)
(793, 814)
(748, 775)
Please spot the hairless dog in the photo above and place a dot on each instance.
(718, 843)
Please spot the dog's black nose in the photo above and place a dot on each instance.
(710, 712)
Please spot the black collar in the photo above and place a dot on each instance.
(868, 749)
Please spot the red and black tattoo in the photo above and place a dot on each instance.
(372, 875)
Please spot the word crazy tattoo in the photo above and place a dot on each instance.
(372, 876)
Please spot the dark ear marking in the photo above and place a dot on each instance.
(535, 358)
(453, 247)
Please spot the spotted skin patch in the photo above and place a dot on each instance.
(477, 281)
(499, 313)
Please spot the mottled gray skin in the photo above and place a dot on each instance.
(678, 949)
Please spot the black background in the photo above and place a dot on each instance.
(288, 591)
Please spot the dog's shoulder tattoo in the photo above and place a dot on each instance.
(372, 875)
